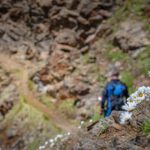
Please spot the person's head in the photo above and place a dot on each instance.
(113, 74)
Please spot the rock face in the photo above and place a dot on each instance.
(131, 36)
(57, 36)
(140, 114)
(108, 135)
(40, 23)
(147, 9)
(8, 93)
(63, 30)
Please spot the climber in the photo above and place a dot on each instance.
(114, 94)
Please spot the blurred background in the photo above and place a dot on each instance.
(54, 60)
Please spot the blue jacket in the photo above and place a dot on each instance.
(107, 94)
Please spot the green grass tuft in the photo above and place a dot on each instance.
(127, 9)
(143, 60)
(147, 26)
(96, 116)
(116, 55)
(84, 58)
(30, 84)
(23, 99)
(136, 6)
(34, 145)
(146, 127)
(47, 100)
(67, 108)
(128, 78)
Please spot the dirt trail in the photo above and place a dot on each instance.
(11, 65)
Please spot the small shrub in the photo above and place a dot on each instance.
(136, 6)
(96, 116)
(47, 100)
(123, 12)
(45, 117)
(23, 99)
(67, 108)
(34, 145)
(144, 61)
(146, 127)
(113, 54)
(105, 129)
(146, 65)
(147, 26)
(128, 78)
(116, 55)
(30, 85)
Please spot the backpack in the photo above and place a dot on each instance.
(116, 94)
(118, 89)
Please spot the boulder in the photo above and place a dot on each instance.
(146, 9)
(11, 133)
(85, 7)
(140, 114)
(76, 86)
(38, 21)
(131, 36)
(66, 36)
(60, 64)
(8, 92)
(44, 3)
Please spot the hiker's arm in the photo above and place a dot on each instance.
(104, 97)
(126, 93)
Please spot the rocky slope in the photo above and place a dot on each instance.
(58, 31)
(44, 24)
(54, 57)
(113, 136)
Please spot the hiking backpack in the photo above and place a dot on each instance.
(116, 93)
(118, 89)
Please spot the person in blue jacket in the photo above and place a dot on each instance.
(114, 94)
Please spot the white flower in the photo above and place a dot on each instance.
(79, 127)
(141, 96)
(82, 122)
(52, 144)
(142, 89)
(41, 147)
(148, 73)
(125, 107)
(133, 96)
(68, 133)
(129, 106)
(55, 139)
(137, 97)
(130, 100)
(46, 142)
(59, 135)
(147, 91)
(124, 117)
(90, 120)
(51, 140)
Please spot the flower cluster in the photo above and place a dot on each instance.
(143, 93)
(125, 116)
(51, 142)
(83, 123)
